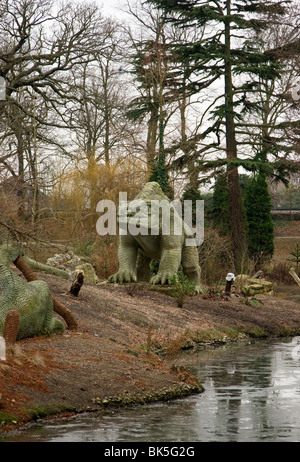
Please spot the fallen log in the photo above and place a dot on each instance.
(37, 266)
(293, 273)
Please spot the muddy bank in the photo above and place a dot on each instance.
(122, 351)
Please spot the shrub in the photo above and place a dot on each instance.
(183, 287)
(279, 273)
(215, 257)
(259, 224)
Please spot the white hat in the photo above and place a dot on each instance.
(230, 277)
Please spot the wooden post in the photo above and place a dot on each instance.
(11, 327)
(228, 287)
(229, 281)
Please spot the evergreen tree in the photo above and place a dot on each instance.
(219, 212)
(220, 205)
(159, 173)
(213, 56)
(192, 193)
(295, 255)
(259, 224)
(153, 67)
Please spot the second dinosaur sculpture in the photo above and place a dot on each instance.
(32, 300)
(136, 251)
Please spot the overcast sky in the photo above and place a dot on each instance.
(112, 7)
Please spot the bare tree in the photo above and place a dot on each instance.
(97, 116)
(157, 101)
(41, 43)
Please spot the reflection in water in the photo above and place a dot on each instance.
(252, 393)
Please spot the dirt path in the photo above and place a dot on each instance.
(111, 358)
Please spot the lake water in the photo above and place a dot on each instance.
(252, 393)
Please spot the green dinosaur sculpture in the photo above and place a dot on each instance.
(137, 249)
(32, 300)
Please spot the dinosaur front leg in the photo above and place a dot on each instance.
(168, 267)
(127, 256)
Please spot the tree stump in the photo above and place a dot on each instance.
(77, 283)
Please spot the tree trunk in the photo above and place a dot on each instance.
(107, 105)
(235, 196)
(20, 184)
(152, 137)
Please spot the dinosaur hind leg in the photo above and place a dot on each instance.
(190, 266)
